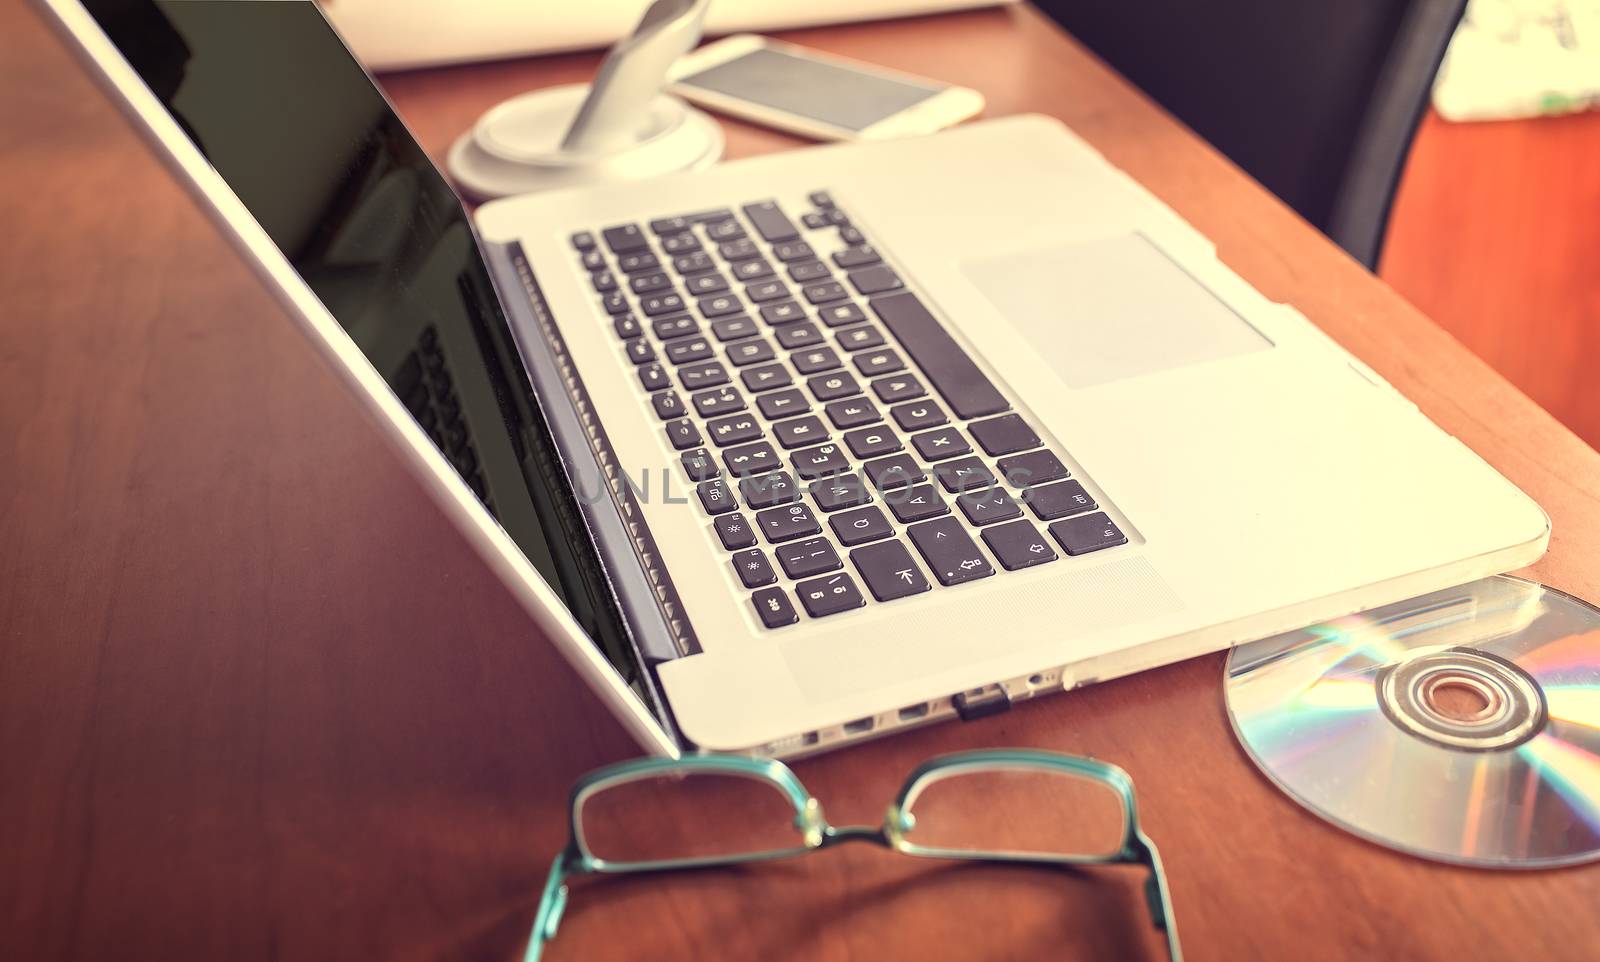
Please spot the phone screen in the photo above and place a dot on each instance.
(814, 89)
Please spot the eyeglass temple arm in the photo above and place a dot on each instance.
(551, 906)
(1156, 897)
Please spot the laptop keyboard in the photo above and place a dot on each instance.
(833, 429)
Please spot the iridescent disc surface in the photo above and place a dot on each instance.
(1330, 714)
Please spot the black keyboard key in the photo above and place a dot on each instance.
(733, 328)
(670, 225)
(967, 390)
(750, 351)
(1018, 544)
(697, 262)
(838, 315)
(793, 337)
(918, 415)
(774, 608)
(699, 465)
(639, 351)
(734, 531)
(684, 243)
(715, 496)
(770, 489)
(813, 556)
(813, 362)
(615, 302)
(626, 326)
(824, 293)
(725, 229)
(751, 459)
(583, 240)
(625, 238)
(739, 250)
(701, 284)
(678, 325)
(655, 305)
(821, 198)
(706, 374)
(594, 261)
(950, 551)
(837, 217)
(813, 220)
(860, 526)
(882, 361)
(770, 222)
(762, 291)
(852, 257)
(916, 503)
(1035, 467)
(638, 263)
(966, 474)
(799, 432)
(650, 283)
(989, 506)
(782, 404)
(1088, 533)
(875, 280)
(604, 282)
(653, 377)
(686, 350)
(1052, 501)
(940, 444)
(888, 570)
(871, 442)
(787, 523)
(783, 312)
(1004, 435)
(766, 377)
(895, 471)
(721, 400)
(829, 595)
(733, 429)
(850, 235)
(851, 412)
(793, 251)
(806, 271)
(752, 270)
(667, 405)
(683, 434)
(839, 491)
(714, 215)
(720, 305)
(831, 387)
(754, 569)
(860, 338)
(820, 461)
(902, 388)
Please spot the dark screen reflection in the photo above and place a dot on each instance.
(313, 150)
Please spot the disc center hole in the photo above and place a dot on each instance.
(1461, 698)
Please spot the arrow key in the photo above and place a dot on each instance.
(950, 551)
(888, 570)
(1018, 544)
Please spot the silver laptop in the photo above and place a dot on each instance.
(817, 447)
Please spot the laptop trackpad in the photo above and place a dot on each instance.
(1099, 311)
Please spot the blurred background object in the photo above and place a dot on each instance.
(1522, 58)
(391, 34)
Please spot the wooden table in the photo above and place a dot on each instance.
(259, 701)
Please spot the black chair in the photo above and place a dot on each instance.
(1317, 99)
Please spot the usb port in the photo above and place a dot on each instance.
(858, 726)
(913, 712)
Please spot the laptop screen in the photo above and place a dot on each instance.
(269, 94)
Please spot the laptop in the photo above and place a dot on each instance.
(818, 447)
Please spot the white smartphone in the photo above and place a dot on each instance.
(817, 95)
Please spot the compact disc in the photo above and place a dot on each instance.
(1462, 726)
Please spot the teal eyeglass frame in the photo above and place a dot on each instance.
(816, 833)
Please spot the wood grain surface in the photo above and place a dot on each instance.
(259, 701)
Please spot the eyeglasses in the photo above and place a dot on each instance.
(1001, 805)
